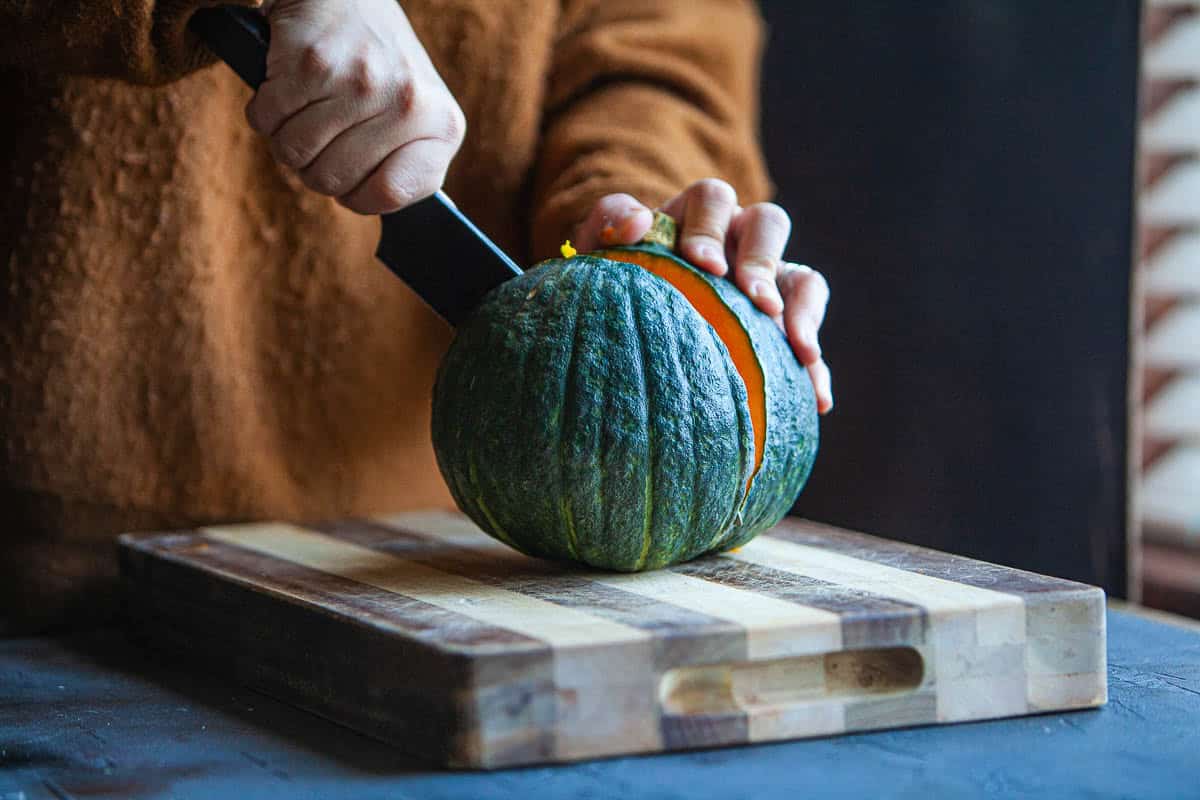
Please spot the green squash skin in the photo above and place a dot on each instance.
(648, 468)
(792, 422)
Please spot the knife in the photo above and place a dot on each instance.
(430, 245)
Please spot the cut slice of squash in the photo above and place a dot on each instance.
(708, 303)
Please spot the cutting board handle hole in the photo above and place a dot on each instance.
(778, 683)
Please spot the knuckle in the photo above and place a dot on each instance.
(704, 234)
(316, 61)
(426, 183)
(404, 100)
(770, 216)
(456, 125)
(804, 278)
(395, 189)
(366, 78)
(324, 182)
(758, 267)
(292, 154)
(714, 191)
(820, 280)
(796, 276)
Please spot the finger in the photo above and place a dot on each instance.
(302, 137)
(353, 154)
(410, 173)
(675, 206)
(822, 382)
(806, 295)
(276, 101)
(293, 83)
(707, 212)
(616, 219)
(762, 232)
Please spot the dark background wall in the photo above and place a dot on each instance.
(962, 171)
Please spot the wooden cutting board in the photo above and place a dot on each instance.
(420, 630)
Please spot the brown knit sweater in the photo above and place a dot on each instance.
(188, 335)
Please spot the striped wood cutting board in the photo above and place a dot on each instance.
(420, 630)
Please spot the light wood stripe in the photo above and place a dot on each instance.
(773, 627)
(771, 624)
(867, 620)
(921, 560)
(556, 625)
(382, 609)
(1005, 613)
(680, 635)
(450, 527)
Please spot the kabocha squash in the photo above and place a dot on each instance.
(623, 409)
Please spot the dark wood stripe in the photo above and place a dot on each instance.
(922, 561)
(682, 636)
(685, 637)
(681, 732)
(429, 626)
(379, 537)
(867, 619)
(226, 608)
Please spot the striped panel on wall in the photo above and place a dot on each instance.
(1170, 275)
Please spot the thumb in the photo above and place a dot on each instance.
(615, 219)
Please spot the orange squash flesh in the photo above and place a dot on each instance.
(710, 306)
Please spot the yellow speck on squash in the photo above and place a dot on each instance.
(567, 250)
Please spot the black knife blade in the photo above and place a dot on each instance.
(430, 245)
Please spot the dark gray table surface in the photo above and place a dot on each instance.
(92, 715)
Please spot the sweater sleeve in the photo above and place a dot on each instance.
(646, 98)
(140, 41)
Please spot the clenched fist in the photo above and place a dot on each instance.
(354, 105)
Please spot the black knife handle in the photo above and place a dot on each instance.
(443, 257)
(239, 36)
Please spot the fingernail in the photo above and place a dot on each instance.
(758, 289)
(608, 230)
(706, 252)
